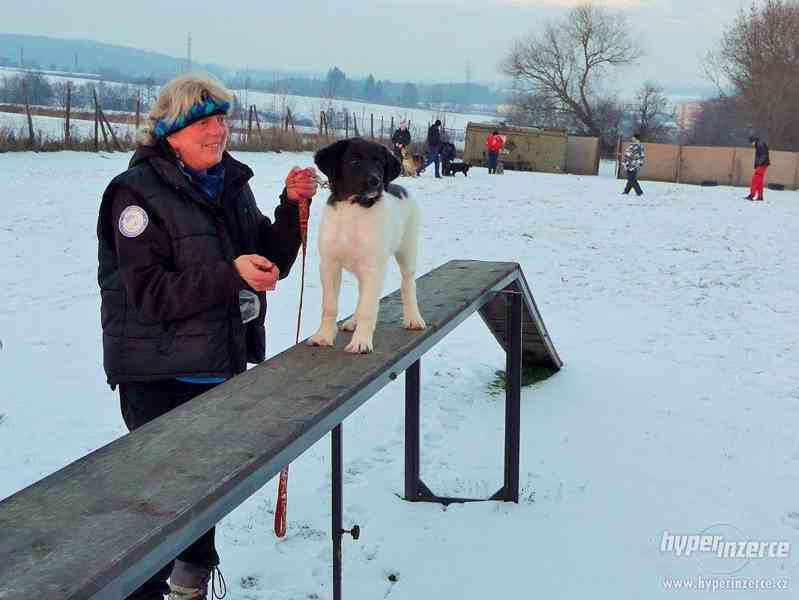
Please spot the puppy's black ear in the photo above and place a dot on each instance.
(393, 167)
(327, 159)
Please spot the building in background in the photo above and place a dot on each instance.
(687, 113)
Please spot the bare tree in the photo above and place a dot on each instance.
(562, 65)
(759, 58)
(652, 114)
(720, 123)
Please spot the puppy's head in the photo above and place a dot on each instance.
(358, 170)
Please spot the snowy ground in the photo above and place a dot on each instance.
(676, 315)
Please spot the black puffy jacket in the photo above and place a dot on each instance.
(761, 155)
(169, 289)
(434, 136)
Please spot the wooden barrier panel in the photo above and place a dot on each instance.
(700, 164)
(582, 155)
(661, 162)
(726, 166)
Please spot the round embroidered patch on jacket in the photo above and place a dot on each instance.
(133, 221)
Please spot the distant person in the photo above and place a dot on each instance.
(401, 139)
(448, 153)
(762, 163)
(632, 161)
(494, 145)
(433, 148)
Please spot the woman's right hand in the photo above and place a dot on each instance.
(259, 273)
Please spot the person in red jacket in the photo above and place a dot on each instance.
(494, 144)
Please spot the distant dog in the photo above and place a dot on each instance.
(459, 167)
(419, 160)
(365, 222)
(409, 166)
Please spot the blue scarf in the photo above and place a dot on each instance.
(210, 181)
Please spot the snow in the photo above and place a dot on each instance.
(676, 316)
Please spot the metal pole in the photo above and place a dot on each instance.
(67, 115)
(513, 385)
(412, 385)
(337, 523)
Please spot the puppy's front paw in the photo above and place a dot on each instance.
(348, 325)
(360, 345)
(324, 337)
(414, 322)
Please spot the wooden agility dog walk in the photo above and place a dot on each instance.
(97, 530)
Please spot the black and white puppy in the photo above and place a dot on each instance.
(365, 222)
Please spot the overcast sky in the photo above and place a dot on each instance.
(415, 40)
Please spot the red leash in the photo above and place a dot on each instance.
(283, 484)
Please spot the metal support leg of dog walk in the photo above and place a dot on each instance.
(513, 390)
(415, 488)
(337, 520)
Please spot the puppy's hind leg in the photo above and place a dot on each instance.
(406, 259)
(370, 283)
(330, 274)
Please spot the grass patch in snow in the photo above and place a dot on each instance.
(530, 376)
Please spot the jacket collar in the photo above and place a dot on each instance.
(162, 158)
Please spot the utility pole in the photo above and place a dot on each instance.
(467, 93)
(188, 54)
(21, 57)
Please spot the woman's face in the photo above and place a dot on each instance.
(201, 144)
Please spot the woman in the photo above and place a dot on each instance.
(494, 145)
(185, 260)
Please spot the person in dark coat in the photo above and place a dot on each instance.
(185, 261)
(401, 139)
(448, 153)
(632, 161)
(762, 163)
(433, 148)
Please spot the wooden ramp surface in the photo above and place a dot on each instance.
(95, 529)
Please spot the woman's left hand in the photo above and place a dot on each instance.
(301, 184)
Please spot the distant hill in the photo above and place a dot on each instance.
(95, 57)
